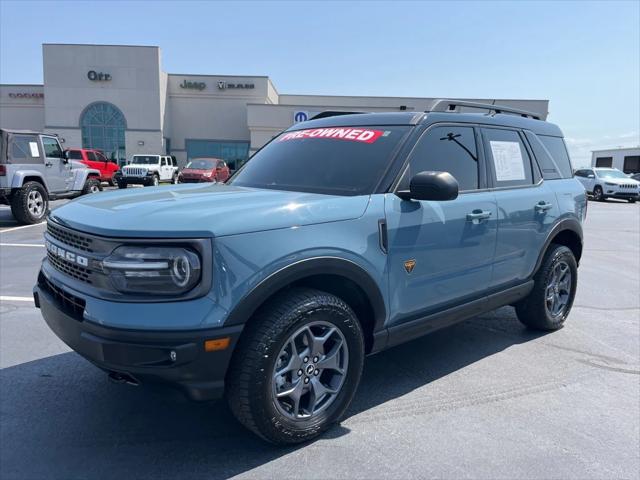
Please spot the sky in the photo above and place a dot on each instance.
(584, 57)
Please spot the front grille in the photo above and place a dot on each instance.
(72, 239)
(71, 269)
(70, 304)
(191, 180)
(134, 171)
(627, 185)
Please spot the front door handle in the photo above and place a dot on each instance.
(48, 164)
(477, 216)
(543, 206)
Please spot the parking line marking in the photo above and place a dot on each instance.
(21, 245)
(21, 227)
(4, 298)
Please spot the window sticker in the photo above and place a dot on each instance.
(362, 135)
(507, 160)
(35, 152)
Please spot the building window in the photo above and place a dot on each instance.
(631, 164)
(604, 162)
(235, 153)
(103, 126)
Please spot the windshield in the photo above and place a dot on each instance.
(145, 160)
(611, 174)
(335, 161)
(201, 164)
(74, 154)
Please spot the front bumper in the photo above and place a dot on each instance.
(133, 180)
(611, 193)
(177, 358)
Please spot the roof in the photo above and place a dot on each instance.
(31, 132)
(539, 127)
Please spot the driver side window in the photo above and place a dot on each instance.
(446, 149)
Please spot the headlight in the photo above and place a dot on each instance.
(153, 270)
(610, 184)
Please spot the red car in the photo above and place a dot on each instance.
(204, 170)
(94, 159)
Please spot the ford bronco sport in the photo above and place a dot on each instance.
(34, 170)
(341, 237)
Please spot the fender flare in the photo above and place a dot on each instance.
(18, 178)
(307, 268)
(572, 224)
(81, 175)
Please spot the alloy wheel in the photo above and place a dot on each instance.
(310, 370)
(35, 203)
(558, 289)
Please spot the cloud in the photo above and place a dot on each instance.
(580, 148)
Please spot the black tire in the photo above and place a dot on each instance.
(27, 209)
(174, 179)
(122, 185)
(632, 200)
(92, 185)
(155, 181)
(598, 196)
(249, 380)
(533, 311)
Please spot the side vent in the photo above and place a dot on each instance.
(382, 231)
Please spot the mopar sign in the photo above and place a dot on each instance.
(300, 116)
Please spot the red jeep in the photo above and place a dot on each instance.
(204, 170)
(94, 159)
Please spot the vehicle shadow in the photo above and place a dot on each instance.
(61, 418)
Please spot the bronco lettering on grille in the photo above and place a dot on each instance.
(66, 255)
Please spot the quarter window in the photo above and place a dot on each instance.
(24, 149)
(558, 150)
(51, 147)
(446, 149)
(508, 158)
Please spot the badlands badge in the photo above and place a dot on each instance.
(409, 265)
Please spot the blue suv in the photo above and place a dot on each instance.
(343, 236)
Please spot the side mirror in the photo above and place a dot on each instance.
(591, 176)
(437, 186)
(65, 156)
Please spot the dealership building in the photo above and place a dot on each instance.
(118, 99)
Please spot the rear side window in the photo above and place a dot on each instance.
(558, 150)
(24, 149)
(507, 157)
(74, 154)
(332, 160)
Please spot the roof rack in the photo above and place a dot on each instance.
(330, 113)
(451, 105)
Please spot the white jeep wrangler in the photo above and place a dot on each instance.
(148, 170)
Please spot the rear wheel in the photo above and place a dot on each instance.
(296, 367)
(598, 196)
(550, 301)
(29, 204)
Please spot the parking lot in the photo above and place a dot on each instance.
(483, 399)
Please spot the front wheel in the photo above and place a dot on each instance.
(598, 196)
(122, 184)
(174, 179)
(30, 203)
(296, 367)
(155, 181)
(632, 200)
(551, 299)
(92, 185)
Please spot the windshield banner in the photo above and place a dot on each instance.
(351, 134)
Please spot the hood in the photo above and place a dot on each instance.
(202, 210)
(197, 171)
(621, 181)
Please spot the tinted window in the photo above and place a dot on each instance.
(631, 164)
(51, 147)
(605, 162)
(101, 157)
(163, 161)
(333, 160)
(445, 149)
(508, 157)
(550, 171)
(92, 156)
(24, 149)
(558, 150)
(74, 154)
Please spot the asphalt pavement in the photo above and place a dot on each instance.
(482, 399)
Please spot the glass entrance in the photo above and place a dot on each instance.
(103, 126)
(235, 153)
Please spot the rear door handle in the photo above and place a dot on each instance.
(543, 206)
(477, 216)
